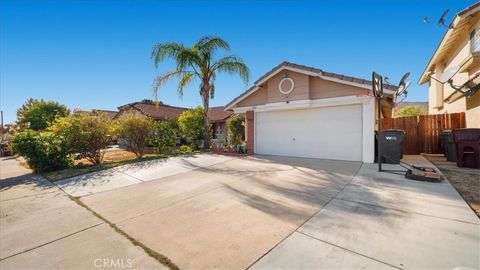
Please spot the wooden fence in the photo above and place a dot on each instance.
(423, 132)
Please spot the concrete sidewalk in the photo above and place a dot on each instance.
(381, 221)
(41, 228)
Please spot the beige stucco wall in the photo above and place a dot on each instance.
(320, 88)
(300, 92)
(257, 98)
(472, 114)
(306, 87)
(437, 92)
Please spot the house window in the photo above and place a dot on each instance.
(475, 41)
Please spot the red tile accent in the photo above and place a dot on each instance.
(250, 117)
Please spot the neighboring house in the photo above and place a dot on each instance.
(109, 114)
(217, 115)
(301, 111)
(458, 50)
(155, 112)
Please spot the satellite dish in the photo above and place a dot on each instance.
(403, 84)
(402, 87)
(441, 21)
(448, 74)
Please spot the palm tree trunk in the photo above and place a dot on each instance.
(206, 134)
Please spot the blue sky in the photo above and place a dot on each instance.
(96, 54)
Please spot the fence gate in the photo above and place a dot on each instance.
(423, 132)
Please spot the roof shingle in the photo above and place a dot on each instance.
(163, 111)
(218, 114)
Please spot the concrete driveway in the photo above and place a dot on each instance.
(223, 214)
(383, 221)
(209, 211)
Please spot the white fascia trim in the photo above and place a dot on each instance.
(301, 71)
(242, 98)
(305, 103)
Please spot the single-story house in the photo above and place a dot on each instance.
(149, 109)
(217, 115)
(459, 51)
(301, 111)
(109, 114)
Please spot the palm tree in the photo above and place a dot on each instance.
(198, 63)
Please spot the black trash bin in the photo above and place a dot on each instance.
(391, 145)
(448, 145)
(467, 142)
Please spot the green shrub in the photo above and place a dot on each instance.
(164, 136)
(190, 123)
(39, 114)
(409, 110)
(134, 129)
(236, 128)
(86, 134)
(185, 149)
(44, 151)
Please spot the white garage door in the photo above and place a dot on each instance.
(328, 133)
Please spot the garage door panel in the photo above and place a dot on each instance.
(331, 133)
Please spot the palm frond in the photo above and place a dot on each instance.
(209, 44)
(188, 58)
(232, 65)
(186, 79)
(212, 90)
(162, 51)
(162, 79)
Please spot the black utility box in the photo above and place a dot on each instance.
(391, 144)
(467, 143)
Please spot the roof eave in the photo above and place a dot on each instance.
(285, 66)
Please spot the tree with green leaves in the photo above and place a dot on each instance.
(236, 128)
(191, 126)
(164, 136)
(409, 111)
(134, 129)
(40, 114)
(87, 134)
(21, 111)
(198, 62)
